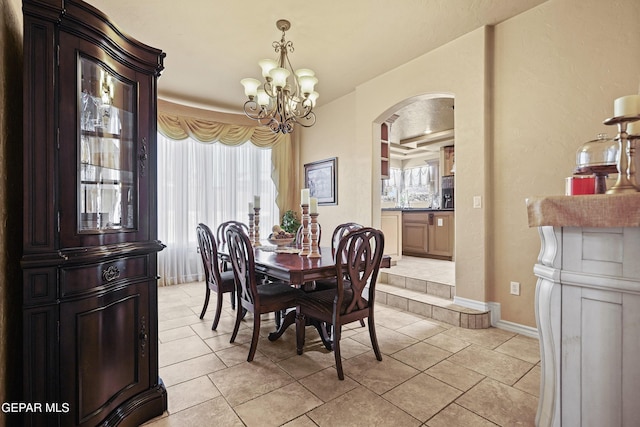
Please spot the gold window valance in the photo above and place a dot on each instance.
(179, 122)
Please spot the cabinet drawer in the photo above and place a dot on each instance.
(75, 280)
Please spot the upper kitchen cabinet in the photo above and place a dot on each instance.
(384, 151)
(89, 219)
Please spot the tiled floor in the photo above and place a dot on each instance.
(432, 374)
(435, 270)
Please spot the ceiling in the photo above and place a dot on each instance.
(421, 128)
(212, 44)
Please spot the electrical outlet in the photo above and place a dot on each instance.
(515, 288)
(477, 202)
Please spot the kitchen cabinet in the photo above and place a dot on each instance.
(441, 234)
(391, 226)
(415, 233)
(428, 233)
(90, 334)
(384, 151)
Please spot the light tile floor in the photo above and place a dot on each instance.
(434, 270)
(432, 374)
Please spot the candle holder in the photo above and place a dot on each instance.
(306, 246)
(251, 227)
(633, 141)
(256, 227)
(314, 237)
(626, 182)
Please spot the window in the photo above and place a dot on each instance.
(208, 183)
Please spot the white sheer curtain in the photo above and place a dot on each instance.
(208, 183)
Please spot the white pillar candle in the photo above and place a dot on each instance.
(256, 202)
(304, 196)
(634, 127)
(626, 106)
(313, 207)
(250, 207)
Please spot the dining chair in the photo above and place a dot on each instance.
(217, 281)
(362, 250)
(222, 240)
(338, 234)
(269, 297)
(221, 231)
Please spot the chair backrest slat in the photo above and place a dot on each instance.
(221, 231)
(243, 262)
(362, 250)
(209, 255)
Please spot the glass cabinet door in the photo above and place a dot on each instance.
(107, 197)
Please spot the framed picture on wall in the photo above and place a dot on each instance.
(321, 179)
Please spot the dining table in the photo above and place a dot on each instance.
(286, 264)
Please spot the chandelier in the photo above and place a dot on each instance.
(287, 96)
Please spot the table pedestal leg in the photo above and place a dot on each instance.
(288, 320)
(323, 331)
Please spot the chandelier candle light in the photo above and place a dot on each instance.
(287, 96)
(304, 195)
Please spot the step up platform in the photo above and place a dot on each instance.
(430, 299)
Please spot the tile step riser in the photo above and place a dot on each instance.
(451, 316)
(440, 290)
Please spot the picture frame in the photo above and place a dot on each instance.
(321, 179)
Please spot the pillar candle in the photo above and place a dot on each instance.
(634, 127)
(313, 206)
(304, 195)
(256, 202)
(626, 106)
(250, 207)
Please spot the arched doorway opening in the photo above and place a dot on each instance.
(416, 179)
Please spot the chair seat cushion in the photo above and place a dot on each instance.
(325, 284)
(278, 291)
(227, 282)
(322, 301)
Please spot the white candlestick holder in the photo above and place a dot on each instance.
(314, 253)
(251, 224)
(306, 246)
(625, 163)
(256, 227)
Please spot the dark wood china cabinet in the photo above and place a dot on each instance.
(89, 261)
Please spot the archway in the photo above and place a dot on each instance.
(418, 129)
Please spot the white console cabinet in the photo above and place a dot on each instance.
(588, 310)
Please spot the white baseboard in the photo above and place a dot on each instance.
(494, 308)
(527, 331)
(470, 303)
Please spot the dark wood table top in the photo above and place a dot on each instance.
(293, 268)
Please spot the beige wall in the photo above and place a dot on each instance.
(333, 136)
(527, 92)
(10, 201)
(456, 69)
(558, 69)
